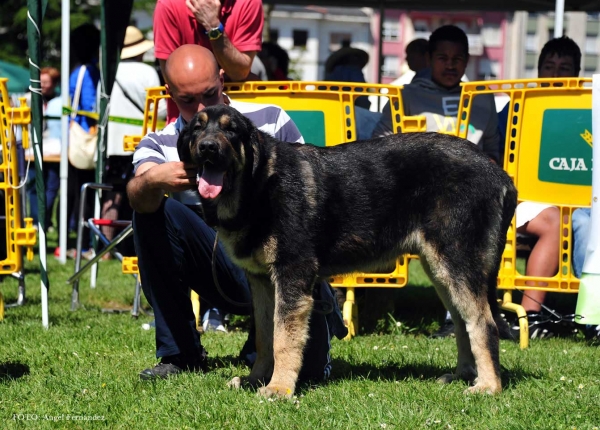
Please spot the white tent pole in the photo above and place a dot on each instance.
(559, 18)
(64, 161)
(592, 256)
(588, 300)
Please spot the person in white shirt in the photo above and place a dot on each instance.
(127, 102)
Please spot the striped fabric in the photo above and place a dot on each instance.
(161, 146)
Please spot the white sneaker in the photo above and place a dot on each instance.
(213, 321)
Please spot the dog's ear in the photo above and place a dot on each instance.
(252, 139)
(184, 141)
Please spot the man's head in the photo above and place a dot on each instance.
(448, 55)
(85, 43)
(416, 54)
(560, 58)
(193, 79)
(49, 77)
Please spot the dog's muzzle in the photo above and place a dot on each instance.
(208, 150)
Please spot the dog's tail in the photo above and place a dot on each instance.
(509, 204)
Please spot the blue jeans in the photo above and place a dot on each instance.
(581, 232)
(174, 248)
(52, 182)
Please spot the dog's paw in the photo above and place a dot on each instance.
(447, 378)
(235, 383)
(276, 391)
(484, 388)
(245, 382)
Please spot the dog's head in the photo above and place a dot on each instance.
(214, 140)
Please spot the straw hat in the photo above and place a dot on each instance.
(135, 43)
(359, 56)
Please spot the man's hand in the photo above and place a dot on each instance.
(147, 189)
(173, 176)
(206, 12)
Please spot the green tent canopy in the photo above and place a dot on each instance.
(18, 77)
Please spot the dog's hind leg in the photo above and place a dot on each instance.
(293, 305)
(263, 302)
(464, 292)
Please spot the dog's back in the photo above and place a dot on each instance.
(384, 197)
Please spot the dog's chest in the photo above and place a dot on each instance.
(254, 258)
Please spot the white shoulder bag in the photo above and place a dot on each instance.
(82, 144)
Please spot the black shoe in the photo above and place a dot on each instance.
(540, 326)
(447, 330)
(160, 371)
(504, 328)
(172, 365)
(592, 332)
(567, 327)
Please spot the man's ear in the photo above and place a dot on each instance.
(168, 89)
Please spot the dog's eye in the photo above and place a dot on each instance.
(199, 125)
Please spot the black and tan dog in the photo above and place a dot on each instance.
(290, 213)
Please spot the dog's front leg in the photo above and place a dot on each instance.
(263, 303)
(293, 306)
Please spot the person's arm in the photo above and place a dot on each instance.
(490, 141)
(234, 52)
(87, 99)
(384, 125)
(147, 188)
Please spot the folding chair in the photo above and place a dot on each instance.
(95, 225)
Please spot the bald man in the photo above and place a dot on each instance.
(175, 246)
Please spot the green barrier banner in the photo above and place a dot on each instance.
(566, 147)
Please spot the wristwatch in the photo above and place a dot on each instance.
(215, 33)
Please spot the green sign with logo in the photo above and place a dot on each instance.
(311, 125)
(566, 147)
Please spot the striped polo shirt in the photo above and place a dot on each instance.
(161, 146)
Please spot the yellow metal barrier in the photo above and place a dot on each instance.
(18, 232)
(549, 157)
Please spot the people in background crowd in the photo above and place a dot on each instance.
(417, 58)
(51, 139)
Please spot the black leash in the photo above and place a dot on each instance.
(559, 317)
(216, 280)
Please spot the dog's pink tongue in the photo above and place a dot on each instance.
(210, 183)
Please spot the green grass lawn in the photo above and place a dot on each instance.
(86, 365)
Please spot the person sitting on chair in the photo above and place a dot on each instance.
(560, 57)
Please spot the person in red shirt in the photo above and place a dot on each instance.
(231, 29)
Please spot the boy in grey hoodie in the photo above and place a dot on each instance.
(438, 98)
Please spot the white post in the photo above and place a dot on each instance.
(64, 160)
(588, 301)
(559, 18)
